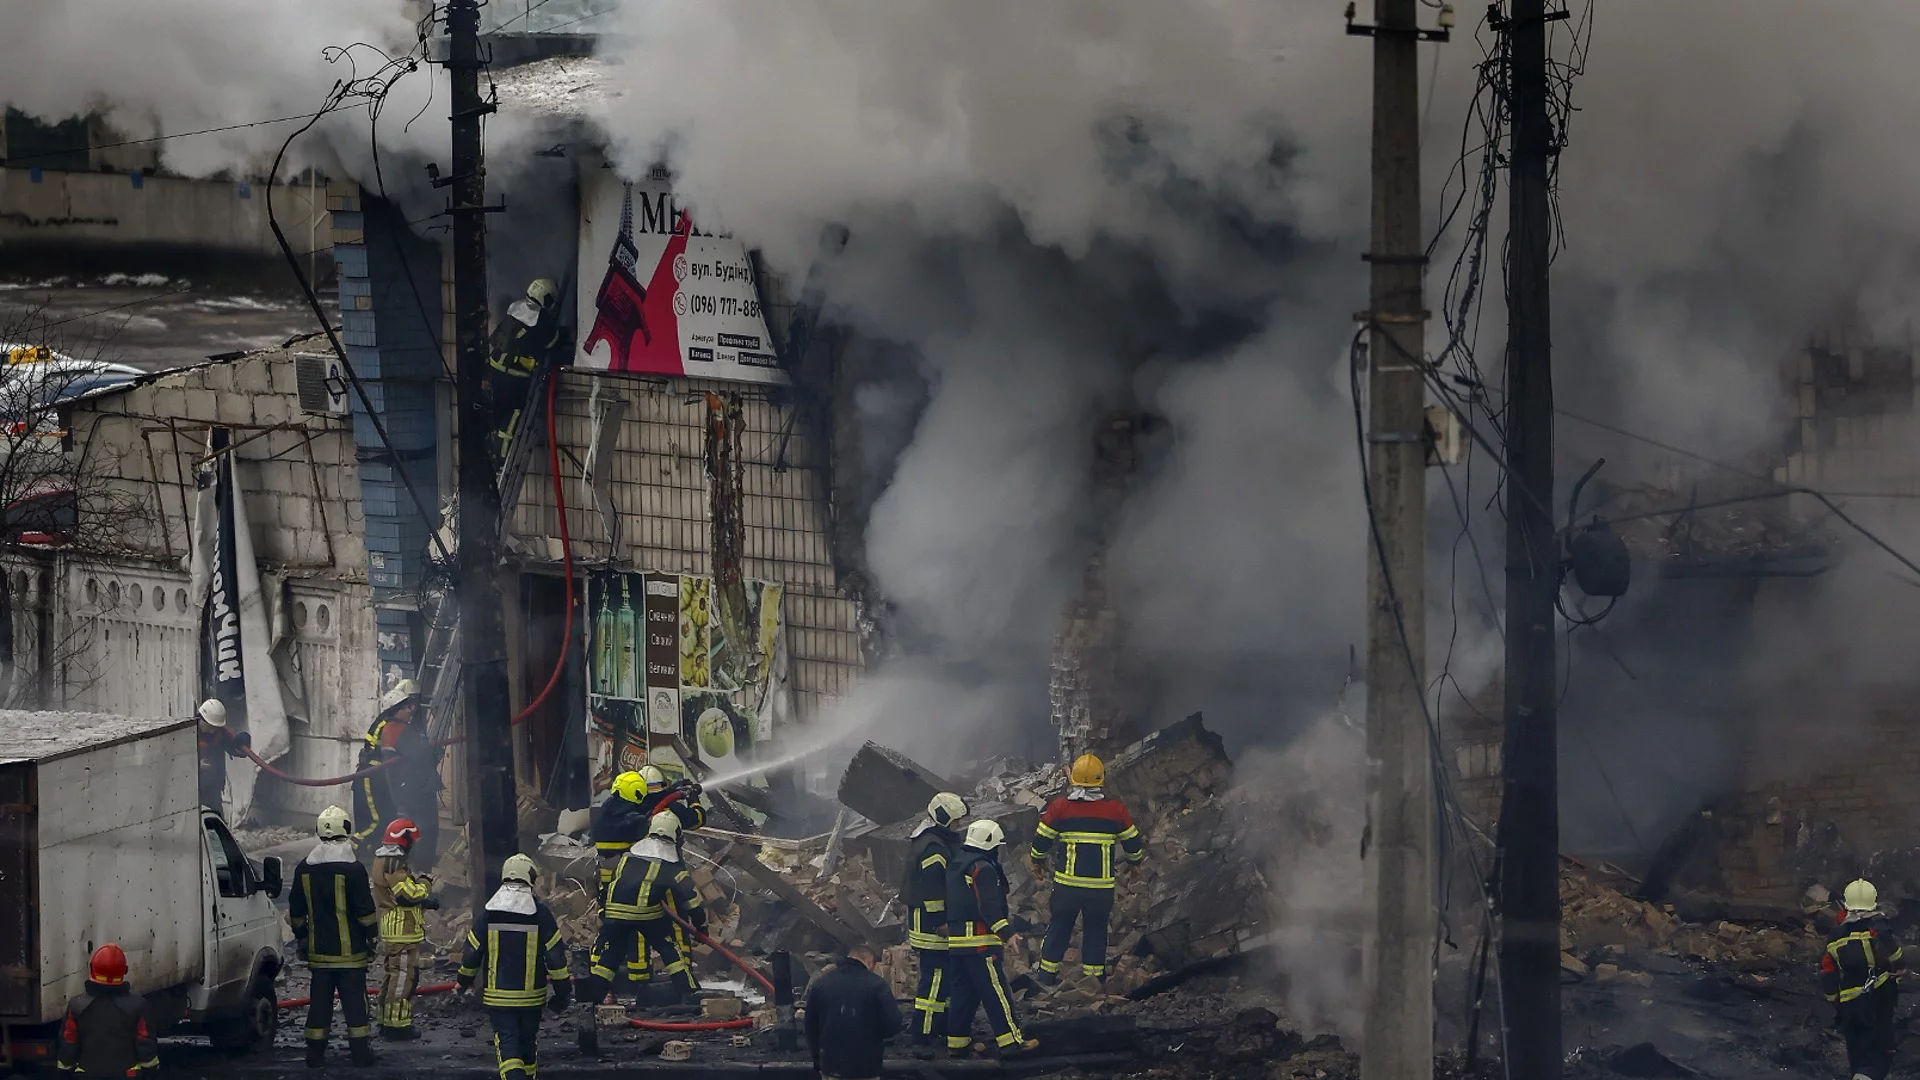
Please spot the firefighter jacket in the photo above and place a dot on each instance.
(402, 896)
(516, 952)
(925, 891)
(519, 350)
(1077, 834)
(977, 914)
(215, 741)
(107, 1033)
(331, 907)
(648, 879)
(618, 824)
(1861, 958)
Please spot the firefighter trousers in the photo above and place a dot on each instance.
(1868, 1026)
(515, 1035)
(619, 939)
(351, 985)
(979, 982)
(1093, 908)
(930, 995)
(399, 982)
(636, 969)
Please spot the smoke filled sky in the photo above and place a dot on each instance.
(1062, 208)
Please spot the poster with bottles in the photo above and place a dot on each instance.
(682, 674)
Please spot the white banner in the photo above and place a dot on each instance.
(658, 296)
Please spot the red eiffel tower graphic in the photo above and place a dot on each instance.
(638, 322)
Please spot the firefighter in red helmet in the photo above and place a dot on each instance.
(403, 897)
(107, 1031)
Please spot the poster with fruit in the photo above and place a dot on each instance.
(668, 685)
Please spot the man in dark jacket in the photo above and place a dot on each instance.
(336, 941)
(1858, 974)
(850, 1016)
(925, 898)
(107, 1031)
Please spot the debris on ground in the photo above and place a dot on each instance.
(1601, 925)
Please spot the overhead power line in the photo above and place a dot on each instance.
(14, 159)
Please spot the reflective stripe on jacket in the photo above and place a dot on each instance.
(1861, 957)
(643, 888)
(977, 914)
(331, 907)
(516, 956)
(1086, 832)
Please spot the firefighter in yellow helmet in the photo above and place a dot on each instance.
(529, 340)
(1082, 838)
(331, 910)
(619, 822)
(1858, 974)
(517, 955)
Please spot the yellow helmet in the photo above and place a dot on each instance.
(946, 808)
(334, 824)
(519, 868)
(1861, 896)
(1087, 771)
(543, 293)
(655, 779)
(664, 826)
(630, 786)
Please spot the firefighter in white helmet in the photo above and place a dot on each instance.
(1858, 974)
(650, 886)
(516, 953)
(924, 895)
(217, 743)
(407, 781)
(331, 909)
(979, 930)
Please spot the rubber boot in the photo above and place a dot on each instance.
(1045, 978)
(925, 1045)
(1019, 1050)
(360, 1051)
(316, 1053)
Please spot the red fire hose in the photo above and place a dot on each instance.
(566, 640)
(708, 1025)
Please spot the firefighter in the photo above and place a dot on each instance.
(650, 885)
(517, 945)
(683, 798)
(1075, 840)
(979, 929)
(925, 897)
(333, 915)
(217, 744)
(107, 1031)
(527, 341)
(403, 898)
(1857, 974)
(407, 784)
(618, 824)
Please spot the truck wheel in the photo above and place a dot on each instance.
(251, 1032)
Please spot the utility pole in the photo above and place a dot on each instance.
(492, 831)
(1397, 1041)
(1529, 856)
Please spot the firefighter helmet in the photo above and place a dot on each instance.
(630, 786)
(334, 824)
(656, 780)
(109, 965)
(664, 826)
(401, 831)
(519, 868)
(402, 693)
(1087, 771)
(214, 713)
(543, 294)
(985, 835)
(946, 808)
(1861, 896)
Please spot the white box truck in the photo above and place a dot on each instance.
(102, 838)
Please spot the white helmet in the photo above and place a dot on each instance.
(519, 868)
(214, 713)
(985, 835)
(403, 691)
(654, 778)
(664, 826)
(334, 824)
(946, 808)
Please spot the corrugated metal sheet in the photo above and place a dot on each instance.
(659, 492)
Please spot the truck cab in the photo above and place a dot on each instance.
(234, 1001)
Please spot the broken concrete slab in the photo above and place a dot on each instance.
(885, 786)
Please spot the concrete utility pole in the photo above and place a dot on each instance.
(1397, 1043)
(492, 831)
(1530, 805)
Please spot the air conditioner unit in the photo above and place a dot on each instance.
(322, 385)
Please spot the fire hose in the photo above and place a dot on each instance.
(566, 640)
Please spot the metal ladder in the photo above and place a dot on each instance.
(440, 675)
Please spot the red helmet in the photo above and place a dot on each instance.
(401, 831)
(109, 965)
